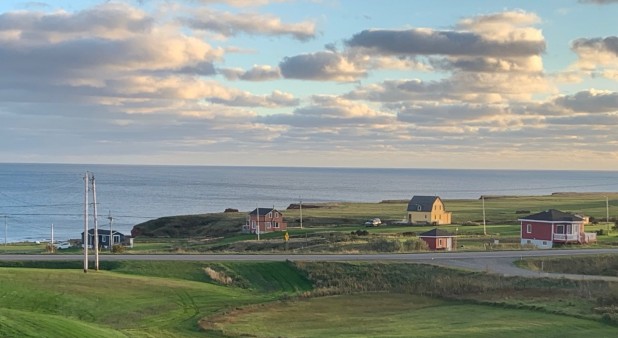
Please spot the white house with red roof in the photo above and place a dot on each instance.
(546, 228)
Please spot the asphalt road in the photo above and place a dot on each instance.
(499, 262)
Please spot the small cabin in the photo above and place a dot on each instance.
(105, 240)
(438, 239)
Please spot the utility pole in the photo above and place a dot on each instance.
(607, 213)
(301, 212)
(484, 225)
(86, 178)
(96, 225)
(5, 230)
(111, 236)
(52, 238)
(257, 229)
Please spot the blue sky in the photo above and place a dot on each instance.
(425, 84)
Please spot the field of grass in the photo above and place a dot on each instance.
(181, 299)
(134, 299)
(397, 315)
(604, 265)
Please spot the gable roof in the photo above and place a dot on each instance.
(262, 211)
(553, 215)
(425, 203)
(436, 233)
(103, 232)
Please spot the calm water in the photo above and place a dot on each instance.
(34, 196)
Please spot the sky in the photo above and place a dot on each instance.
(317, 83)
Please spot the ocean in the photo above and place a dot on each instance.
(35, 196)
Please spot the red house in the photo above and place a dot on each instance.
(266, 220)
(438, 239)
(544, 229)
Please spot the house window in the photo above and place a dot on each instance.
(276, 224)
(440, 243)
(268, 225)
(560, 229)
(418, 207)
(528, 228)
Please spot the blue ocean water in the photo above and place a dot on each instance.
(35, 196)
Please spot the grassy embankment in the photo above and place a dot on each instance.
(186, 299)
(602, 265)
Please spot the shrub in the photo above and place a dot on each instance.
(118, 248)
(415, 245)
(385, 245)
(360, 233)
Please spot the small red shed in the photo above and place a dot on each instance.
(438, 239)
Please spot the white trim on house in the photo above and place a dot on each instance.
(539, 243)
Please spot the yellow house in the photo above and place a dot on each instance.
(427, 210)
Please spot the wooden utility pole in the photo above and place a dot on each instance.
(301, 212)
(96, 225)
(111, 236)
(257, 229)
(484, 226)
(86, 178)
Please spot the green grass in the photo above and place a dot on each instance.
(16, 323)
(604, 265)
(398, 315)
(170, 299)
(135, 299)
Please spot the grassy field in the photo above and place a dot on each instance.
(197, 299)
(398, 315)
(135, 299)
(604, 265)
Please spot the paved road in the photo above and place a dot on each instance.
(499, 262)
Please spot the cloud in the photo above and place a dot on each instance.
(230, 24)
(256, 73)
(597, 54)
(448, 114)
(599, 2)
(110, 21)
(420, 41)
(590, 101)
(330, 111)
(320, 66)
(244, 99)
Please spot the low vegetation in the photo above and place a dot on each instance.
(603, 265)
(186, 299)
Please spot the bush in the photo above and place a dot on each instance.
(385, 245)
(409, 234)
(118, 248)
(415, 245)
(360, 233)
